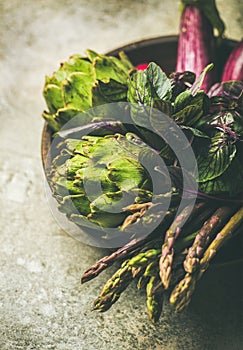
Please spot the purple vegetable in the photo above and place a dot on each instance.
(196, 44)
(233, 69)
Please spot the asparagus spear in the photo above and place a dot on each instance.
(181, 295)
(172, 233)
(199, 219)
(129, 249)
(122, 278)
(113, 288)
(226, 233)
(107, 261)
(154, 286)
(145, 265)
(155, 297)
(204, 237)
(124, 252)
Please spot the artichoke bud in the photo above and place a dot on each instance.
(99, 179)
(84, 82)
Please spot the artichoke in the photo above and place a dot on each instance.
(83, 82)
(109, 182)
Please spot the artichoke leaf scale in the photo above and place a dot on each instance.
(77, 91)
(53, 97)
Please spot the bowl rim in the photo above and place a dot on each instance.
(133, 45)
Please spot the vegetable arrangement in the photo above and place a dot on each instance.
(178, 250)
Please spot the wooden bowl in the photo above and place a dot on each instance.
(163, 51)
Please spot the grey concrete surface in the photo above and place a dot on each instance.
(42, 304)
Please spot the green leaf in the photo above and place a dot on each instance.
(71, 166)
(163, 106)
(127, 173)
(198, 82)
(182, 100)
(137, 89)
(160, 85)
(82, 221)
(122, 62)
(169, 132)
(143, 94)
(214, 161)
(64, 187)
(57, 78)
(113, 91)
(104, 219)
(97, 98)
(77, 202)
(230, 182)
(188, 115)
(141, 99)
(150, 87)
(167, 153)
(195, 132)
(189, 109)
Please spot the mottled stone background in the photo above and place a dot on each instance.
(42, 304)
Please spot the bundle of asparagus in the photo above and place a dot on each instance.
(186, 261)
(173, 255)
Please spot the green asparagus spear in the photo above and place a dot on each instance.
(172, 233)
(122, 278)
(224, 235)
(130, 249)
(155, 297)
(205, 235)
(181, 295)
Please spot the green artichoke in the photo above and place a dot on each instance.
(84, 82)
(103, 182)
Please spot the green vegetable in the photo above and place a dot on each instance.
(104, 182)
(99, 183)
(84, 82)
(181, 295)
(168, 247)
(122, 278)
(154, 299)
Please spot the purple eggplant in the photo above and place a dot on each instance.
(196, 44)
(233, 69)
